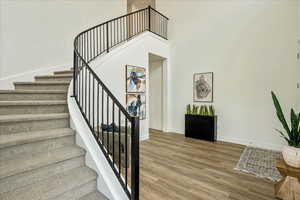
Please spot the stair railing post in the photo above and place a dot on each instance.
(149, 17)
(135, 157)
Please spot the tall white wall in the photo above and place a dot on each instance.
(155, 95)
(298, 19)
(250, 46)
(37, 34)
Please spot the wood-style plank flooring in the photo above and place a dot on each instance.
(177, 168)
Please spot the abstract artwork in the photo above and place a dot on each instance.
(203, 87)
(136, 105)
(135, 79)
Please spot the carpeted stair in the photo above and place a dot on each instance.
(39, 159)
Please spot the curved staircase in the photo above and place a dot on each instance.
(39, 159)
(38, 155)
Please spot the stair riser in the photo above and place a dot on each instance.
(33, 109)
(78, 192)
(29, 97)
(53, 79)
(17, 181)
(24, 126)
(42, 87)
(36, 147)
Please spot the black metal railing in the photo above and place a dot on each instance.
(116, 132)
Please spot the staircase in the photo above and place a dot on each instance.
(38, 155)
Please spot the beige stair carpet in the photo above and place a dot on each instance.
(39, 159)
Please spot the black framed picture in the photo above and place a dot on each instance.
(203, 87)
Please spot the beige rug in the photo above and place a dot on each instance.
(260, 162)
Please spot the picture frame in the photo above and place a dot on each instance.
(135, 79)
(136, 105)
(203, 87)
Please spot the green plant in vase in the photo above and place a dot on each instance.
(291, 153)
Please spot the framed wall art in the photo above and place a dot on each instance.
(136, 105)
(203, 87)
(135, 79)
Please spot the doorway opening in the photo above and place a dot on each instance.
(156, 93)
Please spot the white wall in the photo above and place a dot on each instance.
(298, 19)
(39, 34)
(155, 95)
(111, 69)
(250, 46)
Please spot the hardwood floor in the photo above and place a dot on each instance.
(177, 168)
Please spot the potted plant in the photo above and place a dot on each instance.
(201, 122)
(291, 153)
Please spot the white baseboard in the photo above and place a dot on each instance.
(6, 83)
(271, 146)
(262, 145)
(144, 137)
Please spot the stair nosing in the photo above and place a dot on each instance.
(20, 91)
(32, 102)
(55, 76)
(32, 117)
(43, 83)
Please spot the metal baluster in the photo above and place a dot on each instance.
(126, 156)
(74, 63)
(89, 98)
(102, 117)
(85, 103)
(93, 105)
(149, 18)
(113, 132)
(107, 122)
(98, 131)
(93, 45)
(107, 38)
(120, 150)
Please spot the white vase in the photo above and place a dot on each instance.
(291, 156)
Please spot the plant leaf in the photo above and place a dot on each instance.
(283, 135)
(280, 114)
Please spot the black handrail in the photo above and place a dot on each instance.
(115, 130)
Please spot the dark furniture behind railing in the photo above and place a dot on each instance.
(116, 132)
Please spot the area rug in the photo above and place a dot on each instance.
(260, 162)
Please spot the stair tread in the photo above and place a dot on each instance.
(28, 161)
(32, 102)
(53, 186)
(94, 196)
(19, 91)
(31, 117)
(33, 136)
(43, 83)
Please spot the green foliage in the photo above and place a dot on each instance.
(211, 110)
(292, 134)
(195, 110)
(188, 109)
(202, 110)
